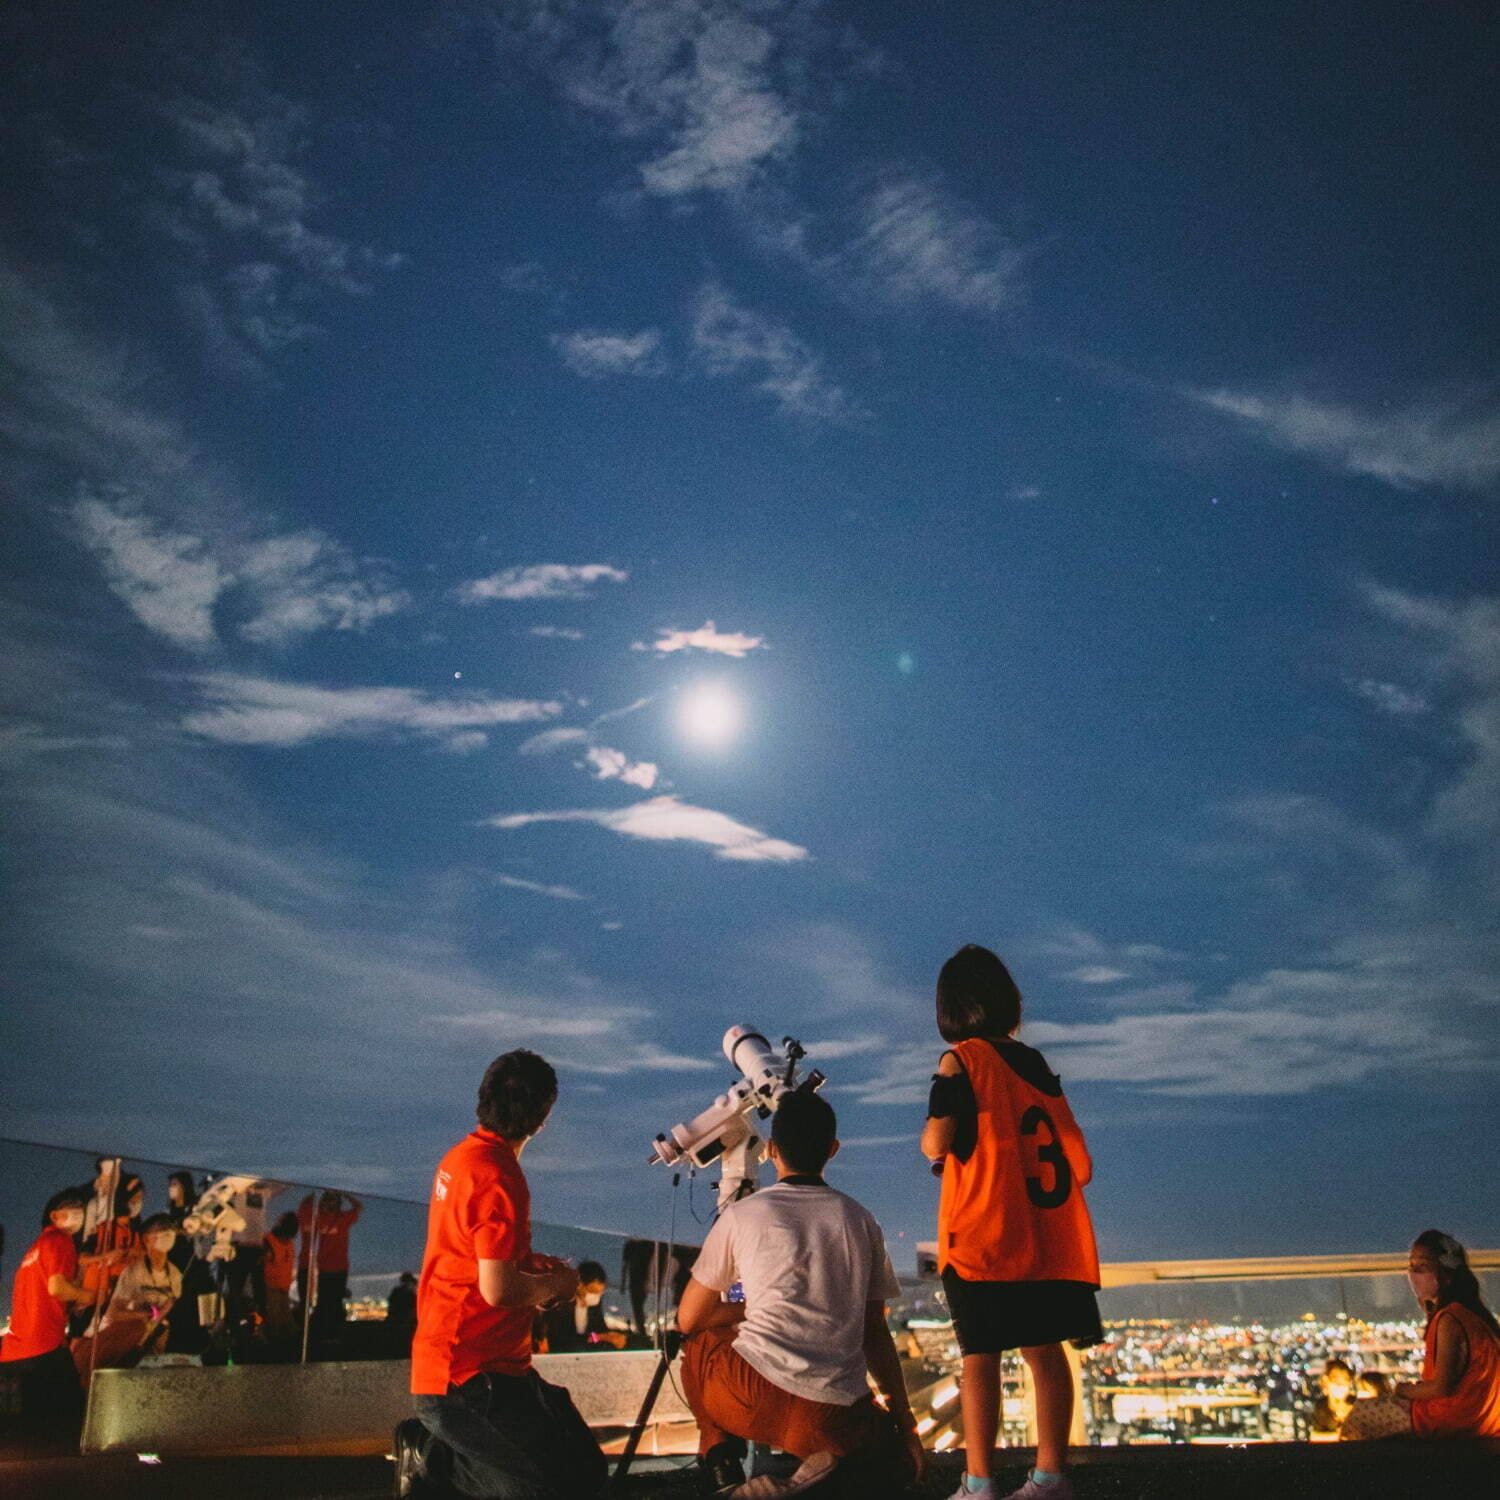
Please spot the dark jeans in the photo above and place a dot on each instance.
(512, 1437)
(328, 1311)
(245, 1267)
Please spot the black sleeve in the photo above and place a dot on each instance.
(952, 1098)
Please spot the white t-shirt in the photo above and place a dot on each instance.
(809, 1258)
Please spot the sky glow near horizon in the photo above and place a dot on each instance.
(579, 525)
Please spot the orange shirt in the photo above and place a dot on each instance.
(480, 1210)
(38, 1321)
(1014, 1211)
(276, 1262)
(331, 1232)
(1473, 1410)
(113, 1234)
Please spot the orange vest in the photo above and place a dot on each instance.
(1473, 1410)
(1014, 1211)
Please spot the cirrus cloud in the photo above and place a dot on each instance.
(541, 581)
(245, 710)
(667, 819)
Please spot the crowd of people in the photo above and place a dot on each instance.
(107, 1284)
(782, 1314)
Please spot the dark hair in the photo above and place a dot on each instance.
(130, 1185)
(976, 996)
(803, 1128)
(1330, 1365)
(1462, 1284)
(518, 1089)
(68, 1198)
(184, 1180)
(285, 1228)
(158, 1221)
(591, 1270)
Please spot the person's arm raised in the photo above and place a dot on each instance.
(502, 1283)
(884, 1365)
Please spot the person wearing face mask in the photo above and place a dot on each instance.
(135, 1322)
(1459, 1392)
(577, 1325)
(36, 1348)
(185, 1334)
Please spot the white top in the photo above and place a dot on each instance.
(809, 1258)
(139, 1287)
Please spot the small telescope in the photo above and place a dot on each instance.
(723, 1131)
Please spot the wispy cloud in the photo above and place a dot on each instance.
(615, 765)
(541, 581)
(1461, 641)
(667, 819)
(593, 354)
(238, 212)
(1453, 443)
(916, 241)
(707, 89)
(1391, 697)
(164, 577)
(260, 711)
(731, 340)
(550, 740)
(1095, 961)
(555, 633)
(705, 638)
(281, 587)
(537, 888)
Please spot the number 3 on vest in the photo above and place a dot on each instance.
(1050, 1153)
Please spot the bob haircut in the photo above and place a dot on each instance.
(976, 996)
(519, 1089)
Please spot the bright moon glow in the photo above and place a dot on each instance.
(709, 715)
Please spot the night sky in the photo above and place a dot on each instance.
(576, 525)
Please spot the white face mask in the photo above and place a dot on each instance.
(1424, 1285)
(592, 1299)
(70, 1220)
(161, 1243)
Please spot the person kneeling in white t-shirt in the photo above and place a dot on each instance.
(788, 1366)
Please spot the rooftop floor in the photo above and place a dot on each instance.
(1374, 1471)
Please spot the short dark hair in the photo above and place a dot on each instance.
(976, 996)
(285, 1228)
(68, 1198)
(158, 1221)
(518, 1089)
(803, 1128)
(591, 1271)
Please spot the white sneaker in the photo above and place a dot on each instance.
(1031, 1490)
(810, 1471)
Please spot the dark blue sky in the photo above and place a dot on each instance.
(576, 525)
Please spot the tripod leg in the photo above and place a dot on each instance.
(627, 1457)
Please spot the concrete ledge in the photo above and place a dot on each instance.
(345, 1409)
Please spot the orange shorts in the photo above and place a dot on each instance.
(730, 1398)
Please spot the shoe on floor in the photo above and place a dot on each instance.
(1060, 1489)
(811, 1471)
(412, 1480)
(722, 1471)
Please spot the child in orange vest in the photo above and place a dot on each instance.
(1015, 1243)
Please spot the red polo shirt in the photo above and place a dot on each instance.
(480, 1210)
(38, 1321)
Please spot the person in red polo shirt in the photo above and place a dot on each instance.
(36, 1348)
(487, 1424)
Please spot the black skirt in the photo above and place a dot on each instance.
(990, 1317)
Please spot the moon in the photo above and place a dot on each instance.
(709, 714)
